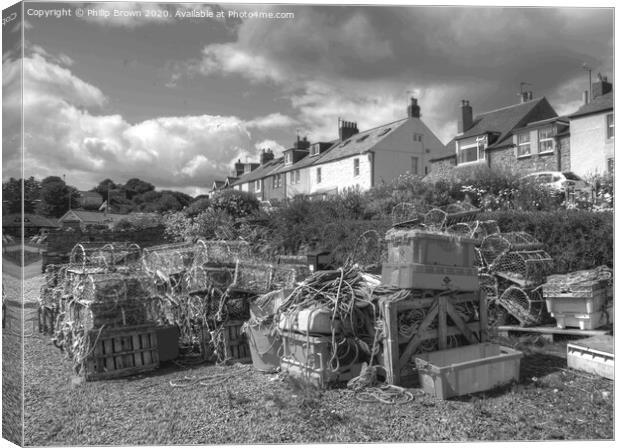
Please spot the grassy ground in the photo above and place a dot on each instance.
(549, 402)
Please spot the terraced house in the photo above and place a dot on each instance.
(355, 160)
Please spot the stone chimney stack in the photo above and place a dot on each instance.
(239, 169)
(601, 87)
(413, 110)
(346, 129)
(466, 120)
(266, 156)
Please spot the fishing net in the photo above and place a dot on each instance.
(497, 244)
(527, 268)
(526, 305)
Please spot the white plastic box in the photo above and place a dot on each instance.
(467, 369)
(584, 321)
(423, 276)
(593, 355)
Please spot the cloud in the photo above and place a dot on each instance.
(276, 147)
(65, 132)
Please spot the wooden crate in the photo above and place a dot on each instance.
(231, 343)
(122, 352)
(398, 350)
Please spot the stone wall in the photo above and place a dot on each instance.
(506, 158)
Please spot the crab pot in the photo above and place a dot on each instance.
(526, 305)
(500, 243)
(526, 268)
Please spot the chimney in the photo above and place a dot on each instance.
(413, 110)
(585, 97)
(266, 156)
(467, 117)
(526, 96)
(239, 168)
(346, 129)
(301, 143)
(601, 87)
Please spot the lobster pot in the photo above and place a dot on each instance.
(169, 258)
(84, 254)
(459, 212)
(110, 288)
(429, 248)
(52, 275)
(111, 314)
(526, 305)
(262, 278)
(201, 278)
(222, 252)
(527, 268)
(482, 229)
(121, 352)
(226, 342)
(284, 277)
(489, 285)
(320, 360)
(406, 212)
(497, 244)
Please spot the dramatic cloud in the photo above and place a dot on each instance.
(359, 62)
(65, 133)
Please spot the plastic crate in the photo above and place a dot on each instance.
(429, 248)
(468, 369)
(592, 355)
(570, 303)
(312, 358)
(581, 289)
(311, 320)
(584, 321)
(422, 276)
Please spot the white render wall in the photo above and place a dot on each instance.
(589, 146)
(393, 154)
(302, 187)
(339, 175)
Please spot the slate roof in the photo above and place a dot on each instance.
(501, 121)
(446, 152)
(30, 220)
(94, 217)
(599, 104)
(260, 172)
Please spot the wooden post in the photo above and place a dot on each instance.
(390, 346)
(484, 321)
(442, 327)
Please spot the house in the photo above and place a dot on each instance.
(32, 224)
(525, 137)
(355, 160)
(592, 132)
(217, 185)
(82, 219)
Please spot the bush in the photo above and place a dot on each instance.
(575, 239)
(237, 204)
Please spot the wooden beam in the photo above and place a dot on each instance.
(413, 344)
(471, 338)
(442, 324)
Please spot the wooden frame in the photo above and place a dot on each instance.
(439, 308)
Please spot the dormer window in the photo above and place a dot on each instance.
(315, 149)
(288, 158)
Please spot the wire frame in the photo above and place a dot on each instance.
(369, 250)
(482, 229)
(498, 244)
(489, 285)
(525, 267)
(460, 212)
(527, 306)
(112, 288)
(169, 259)
(406, 212)
(222, 251)
(435, 219)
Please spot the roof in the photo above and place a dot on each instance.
(502, 121)
(446, 152)
(360, 143)
(597, 105)
(218, 183)
(260, 172)
(29, 220)
(92, 217)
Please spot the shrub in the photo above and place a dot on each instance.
(575, 239)
(236, 203)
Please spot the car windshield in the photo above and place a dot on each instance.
(571, 176)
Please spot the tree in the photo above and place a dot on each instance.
(105, 186)
(197, 206)
(136, 186)
(55, 197)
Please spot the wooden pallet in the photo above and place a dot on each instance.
(439, 307)
(549, 331)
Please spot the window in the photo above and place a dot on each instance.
(318, 175)
(257, 185)
(523, 145)
(414, 165)
(417, 137)
(545, 140)
(610, 125)
(277, 181)
(315, 149)
(356, 167)
(288, 158)
(471, 152)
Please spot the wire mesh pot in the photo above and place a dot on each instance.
(527, 306)
(527, 268)
(498, 244)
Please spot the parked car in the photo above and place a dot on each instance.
(562, 182)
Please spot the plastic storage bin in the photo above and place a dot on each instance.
(423, 276)
(423, 247)
(468, 369)
(563, 304)
(585, 321)
(592, 355)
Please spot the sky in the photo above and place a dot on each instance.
(176, 100)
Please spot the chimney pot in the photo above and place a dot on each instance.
(413, 111)
(466, 120)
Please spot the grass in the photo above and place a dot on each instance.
(549, 402)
